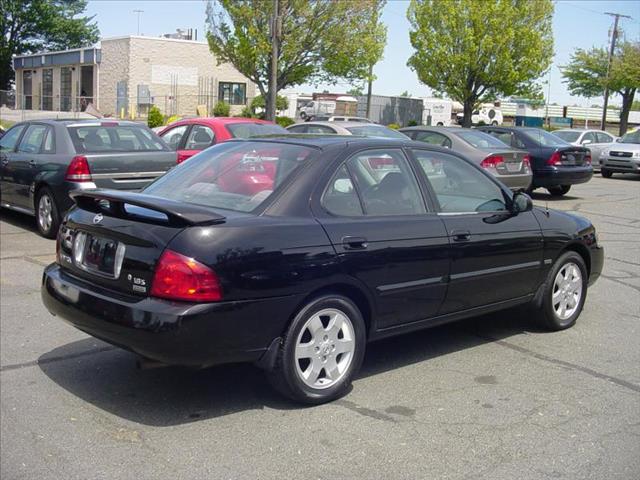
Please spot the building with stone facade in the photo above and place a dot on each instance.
(124, 76)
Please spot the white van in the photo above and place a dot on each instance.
(438, 109)
(487, 114)
(343, 105)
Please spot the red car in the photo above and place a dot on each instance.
(193, 135)
(190, 136)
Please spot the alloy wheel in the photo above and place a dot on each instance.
(567, 291)
(45, 215)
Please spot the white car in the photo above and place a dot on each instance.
(595, 140)
(488, 115)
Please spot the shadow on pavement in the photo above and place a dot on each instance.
(17, 219)
(108, 378)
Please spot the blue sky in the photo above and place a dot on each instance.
(576, 24)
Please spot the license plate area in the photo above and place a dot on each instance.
(98, 255)
(513, 167)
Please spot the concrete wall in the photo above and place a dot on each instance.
(114, 68)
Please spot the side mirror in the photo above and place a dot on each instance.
(619, 139)
(521, 203)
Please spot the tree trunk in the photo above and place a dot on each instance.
(468, 110)
(369, 88)
(627, 100)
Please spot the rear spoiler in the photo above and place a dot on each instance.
(180, 213)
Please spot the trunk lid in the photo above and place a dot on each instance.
(512, 161)
(114, 239)
(128, 170)
(573, 156)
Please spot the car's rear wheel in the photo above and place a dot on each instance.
(563, 293)
(47, 213)
(559, 190)
(606, 173)
(321, 352)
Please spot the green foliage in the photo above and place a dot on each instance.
(221, 109)
(320, 41)
(586, 75)
(412, 123)
(282, 103)
(27, 26)
(171, 119)
(405, 94)
(635, 106)
(246, 113)
(476, 50)
(285, 121)
(393, 126)
(155, 117)
(356, 92)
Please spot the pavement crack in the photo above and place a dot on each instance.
(563, 363)
(44, 361)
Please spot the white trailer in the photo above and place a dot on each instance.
(437, 110)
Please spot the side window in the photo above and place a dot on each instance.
(433, 138)
(320, 129)
(298, 129)
(589, 136)
(385, 182)
(49, 142)
(199, 138)
(173, 136)
(504, 137)
(516, 142)
(459, 187)
(32, 140)
(340, 197)
(10, 139)
(604, 137)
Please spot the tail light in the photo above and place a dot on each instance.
(492, 161)
(526, 161)
(554, 159)
(78, 170)
(182, 157)
(587, 160)
(182, 278)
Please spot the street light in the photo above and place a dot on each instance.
(138, 12)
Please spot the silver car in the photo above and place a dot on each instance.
(623, 156)
(595, 140)
(510, 166)
(347, 128)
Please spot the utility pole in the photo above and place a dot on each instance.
(276, 27)
(614, 37)
(138, 12)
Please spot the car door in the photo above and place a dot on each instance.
(495, 256)
(175, 138)
(27, 163)
(385, 235)
(8, 144)
(603, 140)
(197, 139)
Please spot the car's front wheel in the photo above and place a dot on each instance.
(47, 213)
(606, 173)
(559, 190)
(321, 352)
(563, 293)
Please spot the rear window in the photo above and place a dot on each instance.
(246, 130)
(544, 139)
(479, 139)
(567, 135)
(116, 138)
(376, 131)
(238, 176)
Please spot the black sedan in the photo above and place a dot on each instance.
(348, 240)
(556, 164)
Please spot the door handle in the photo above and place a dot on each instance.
(461, 235)
(32, 163)
(354, 243)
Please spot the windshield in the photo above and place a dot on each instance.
(567, 135)
(246, 130)
(480, 139)
(238, 176)
(631, 137)
(114, 138)
(376, 131)
(544, 138)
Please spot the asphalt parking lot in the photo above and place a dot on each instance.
(488, 398)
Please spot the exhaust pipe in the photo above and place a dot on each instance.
(143, 363)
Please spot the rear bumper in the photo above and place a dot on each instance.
(169, 332)
(516, 182)
(552, 176)
(621, 165)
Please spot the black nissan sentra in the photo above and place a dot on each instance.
(294, 252)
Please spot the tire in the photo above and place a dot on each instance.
(439, 124)
(303, 115)
(47, 213)
(606, 173)
(494, 123)
(559, 190)
(549, 313)
(309, 379)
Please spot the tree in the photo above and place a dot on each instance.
(405, 94)
(155, 117)
(28, 26)
(586, 75)
(356, 92)
(282, 103)
(476, 50)
(318, 39)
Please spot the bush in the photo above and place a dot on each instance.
(282, 103)
(393, 126)
(246, 113)
(285, 121)
(221, 109)
(481, 123)
(171, 119)
(155, 118)
(412, 123)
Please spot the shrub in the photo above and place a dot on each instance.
(246, 113)
(285, 121)
(221, 109)
(393, 126)
(412, 123)
(155, 118)
(171, 119)
(282, 103)
(481, 123)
